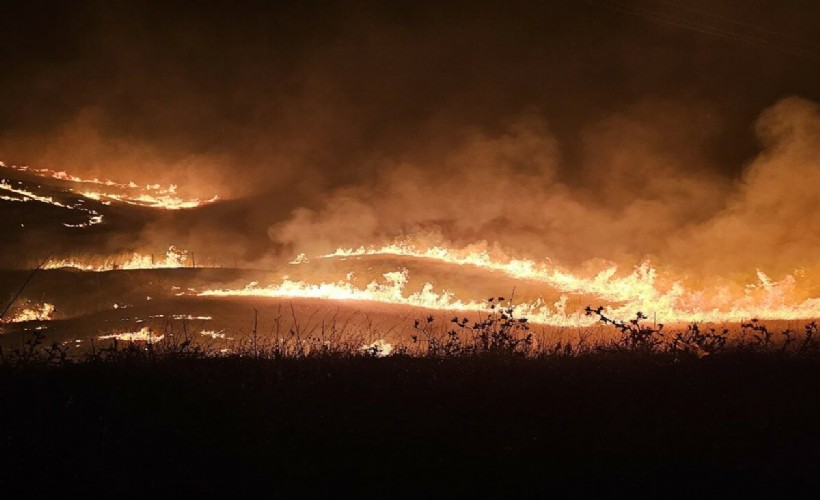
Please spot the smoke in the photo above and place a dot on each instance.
(771, 220)
(560, 130)
(645, 189)
(83, 147)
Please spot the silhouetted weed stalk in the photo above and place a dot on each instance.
(639, 336)
(500, 332)
(497, 333)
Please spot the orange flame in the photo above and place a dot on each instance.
(43, 312)
(144, 334)
(640, 290)
(94, 217)
(151, 195)
(174, 258)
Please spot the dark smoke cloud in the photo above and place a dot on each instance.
(658, 197)
(771, 220)
(572, 130)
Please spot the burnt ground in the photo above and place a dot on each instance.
(403, 426)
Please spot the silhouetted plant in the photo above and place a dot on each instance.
(500, 332)
(810, 343)
(447, 345)
(636, 336)
(761, 336)
(34, 351)
(700, 342)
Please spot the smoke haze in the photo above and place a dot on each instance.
(685, 133)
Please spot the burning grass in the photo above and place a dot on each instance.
(644, 288)
(106, 191)
(174, 258)
(499, 332)
(32, 312)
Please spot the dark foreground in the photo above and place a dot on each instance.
(409, 427)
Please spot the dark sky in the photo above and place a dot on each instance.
(345, 100)
(324, 83)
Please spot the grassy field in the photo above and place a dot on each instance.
(487, 422)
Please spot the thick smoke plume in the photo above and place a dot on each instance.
(644, 190)
(563, 130)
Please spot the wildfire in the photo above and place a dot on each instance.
(189, 317)
(391, 291)
(379, 348)
(640, 290)
(24, 195)
(213, 334)
(107, 191)
(174, 258)
(639, 284)
(163, 198)
(144, 334)
(43, 312)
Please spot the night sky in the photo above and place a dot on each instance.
(570, 129)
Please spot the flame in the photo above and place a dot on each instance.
(640, 290)
(144, 334)
(213, 334)
(379, 348)
(94, 217)
(174, 258)
(391, 291)
(43, 312)
(150, 195)
(164, 199)
(638, 284)
(189, 317)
